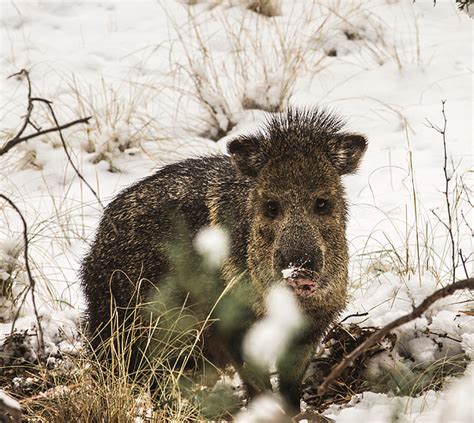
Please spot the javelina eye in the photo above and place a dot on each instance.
(271, 209)
(321, 206)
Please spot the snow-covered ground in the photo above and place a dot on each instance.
(163, 80)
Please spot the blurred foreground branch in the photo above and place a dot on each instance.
(377, 336)
(10, 410)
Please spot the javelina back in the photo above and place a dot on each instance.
(279, 196)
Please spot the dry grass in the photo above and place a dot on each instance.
(99, 387)
(266, 56)
(122, 121)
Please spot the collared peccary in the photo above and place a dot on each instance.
(279, 196)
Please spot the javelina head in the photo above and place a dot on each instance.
(297, 207)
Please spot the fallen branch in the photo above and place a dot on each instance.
(10, 409)
(377, 336)
(52, 393)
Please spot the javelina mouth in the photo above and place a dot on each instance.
(302, 287)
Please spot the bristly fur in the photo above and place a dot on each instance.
(313, 132)
(294, 161)
(304, 123)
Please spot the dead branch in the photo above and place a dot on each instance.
(354, 315)
(56, 391)
(19, 138)
(58, 128)
(32, 282)
(447, 179)
(29, 106)
(377, 336)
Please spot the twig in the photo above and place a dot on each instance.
(59, 129)
(18, 138)
(51, 393)
(467, 223)
(29, 107)
(380, 334)
(447, 179)
(464, 262)
(354, 315)
(28, 271)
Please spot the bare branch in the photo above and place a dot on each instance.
(49, 104)
(464, 262)
(28, 271)
(447, 179)
(29, 107)
(354, 315)
(19, 138)
(54, 392)
(380, 334)
(58, 128)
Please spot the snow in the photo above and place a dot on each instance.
(457, 406)
(379, 408)
(287, 273)
(453, 405)
(269, 338)
(162, 81)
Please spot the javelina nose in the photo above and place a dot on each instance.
(309, 260)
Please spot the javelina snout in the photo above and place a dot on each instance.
(300, 261)
(299, 249)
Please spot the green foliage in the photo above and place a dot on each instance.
(190, 302)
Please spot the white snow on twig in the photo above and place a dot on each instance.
(268, 339)
(212, 243)
(263, 409)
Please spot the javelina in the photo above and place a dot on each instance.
(278, 194)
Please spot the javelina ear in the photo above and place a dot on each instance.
(247, 154)
(346, 151)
